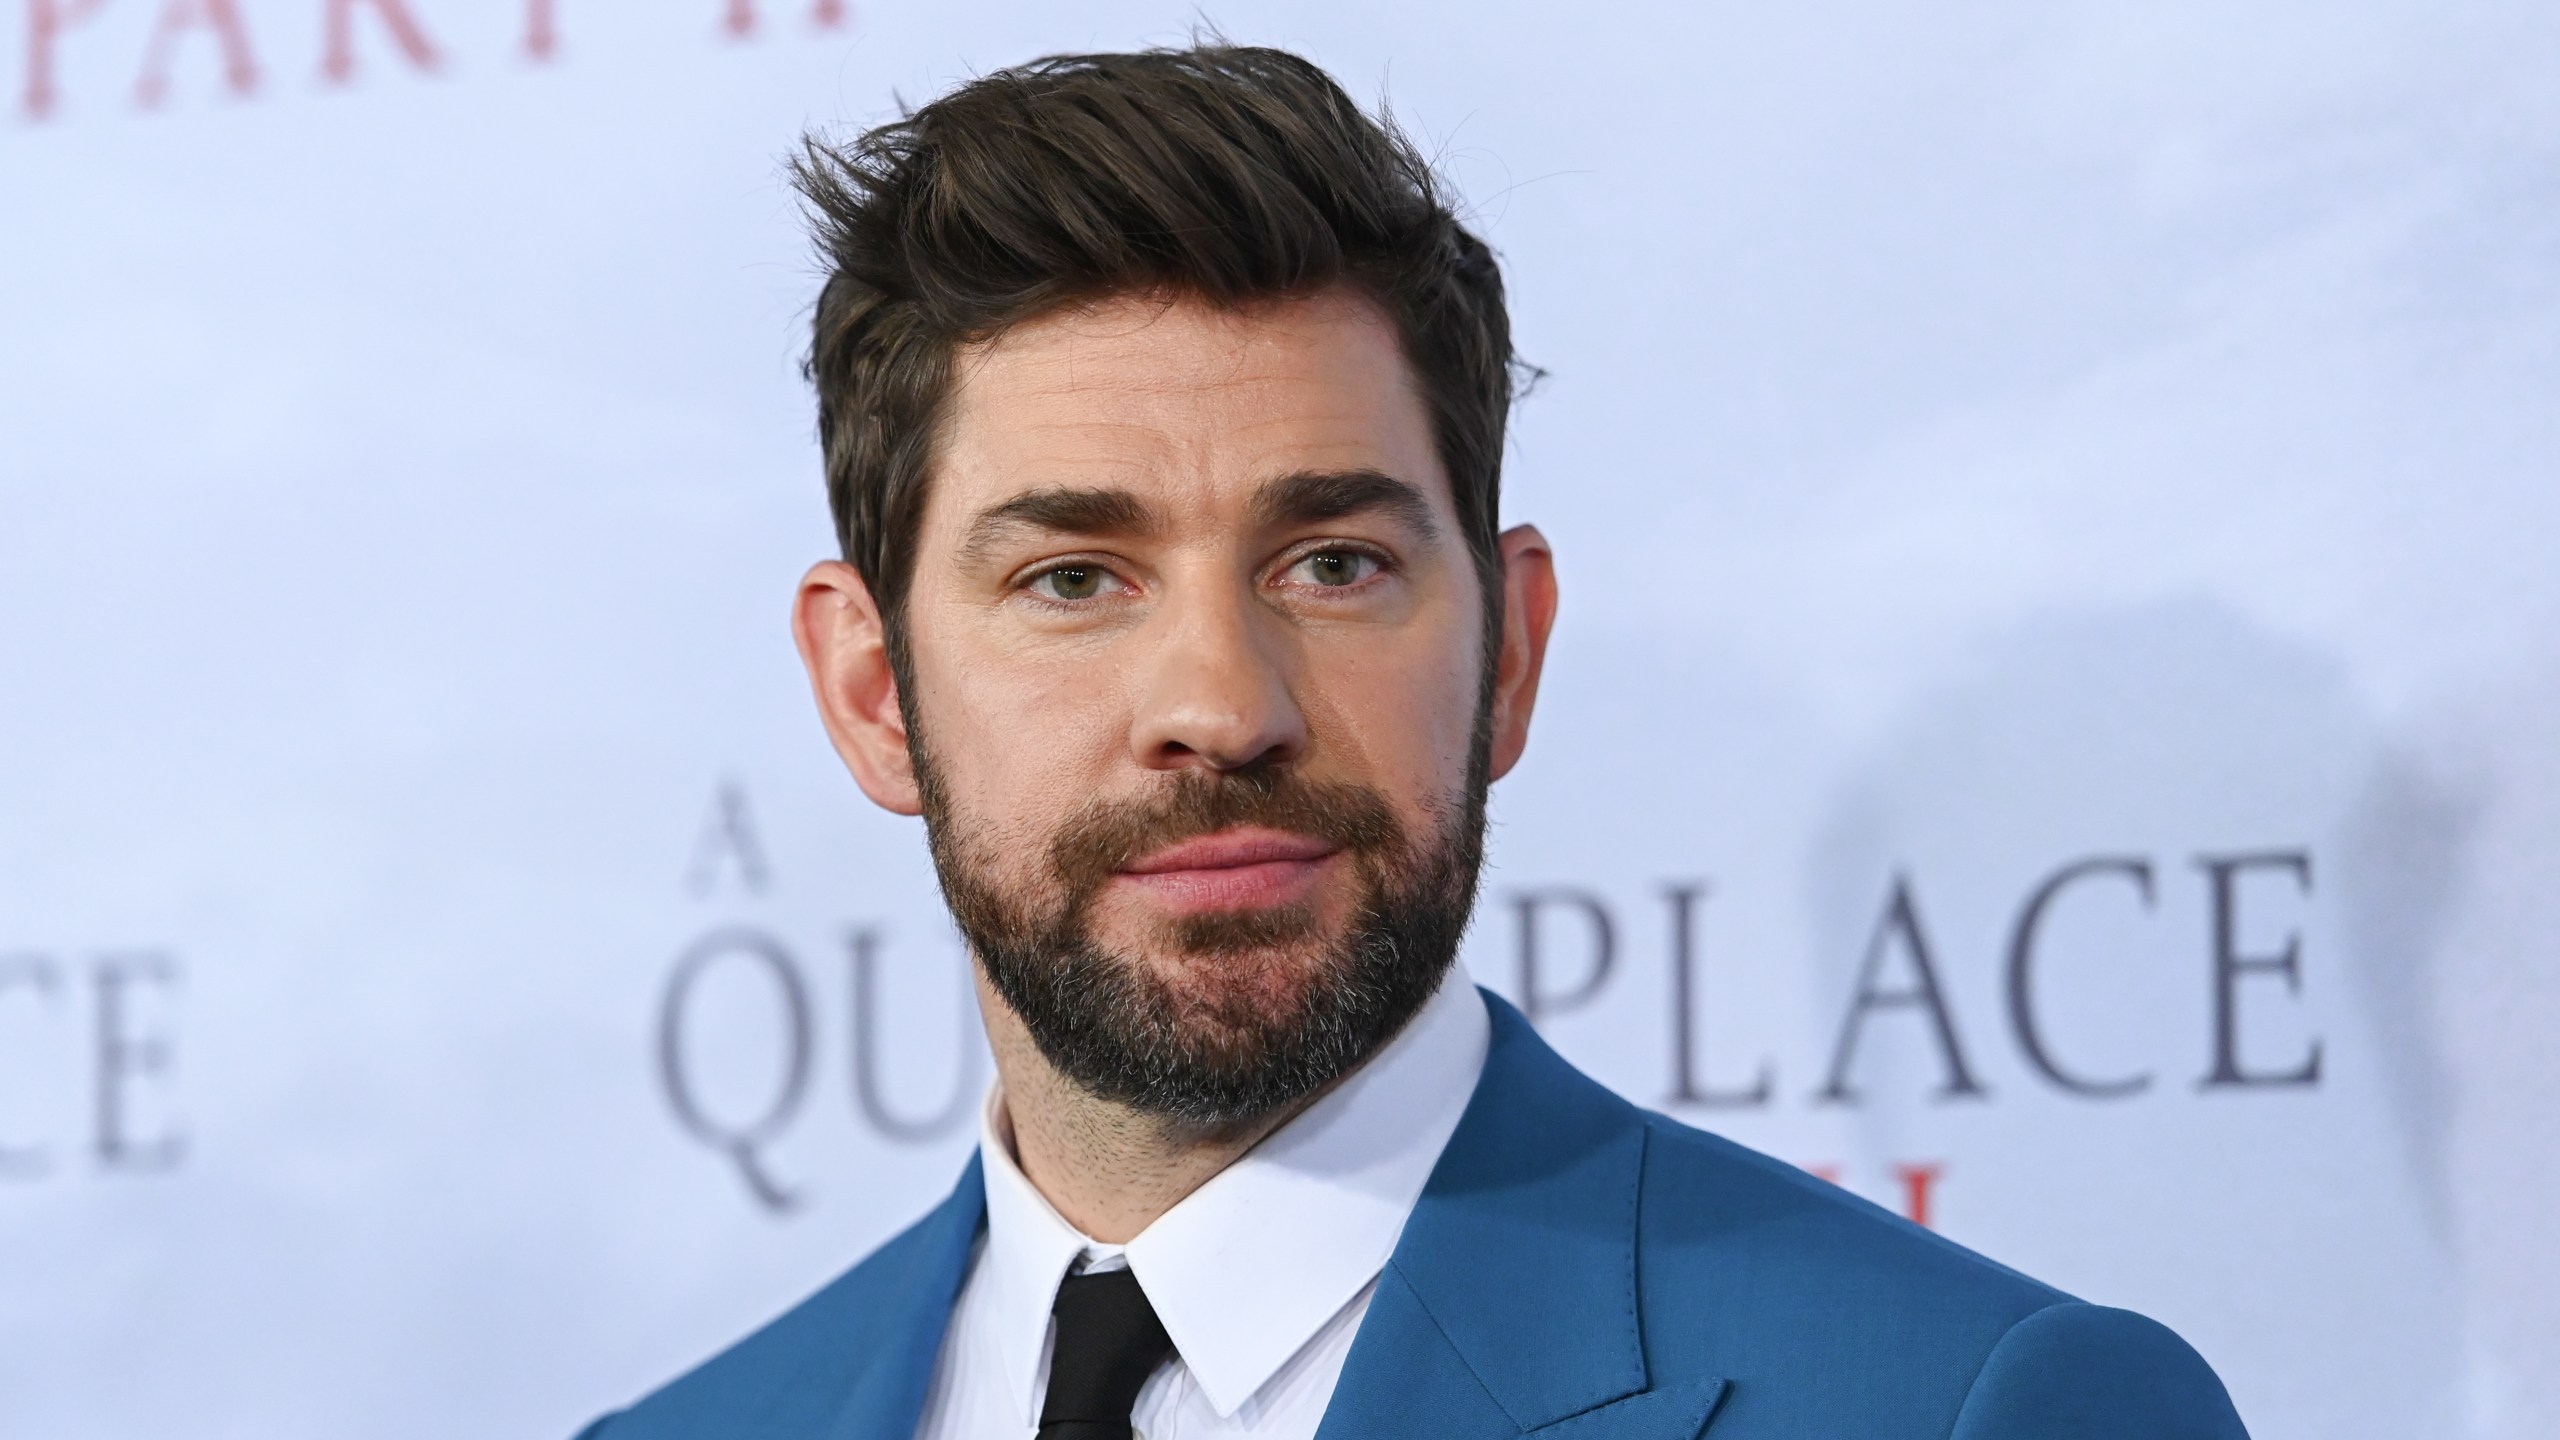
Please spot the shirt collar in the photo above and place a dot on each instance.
(1247, 1268)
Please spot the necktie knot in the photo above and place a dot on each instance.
(1108, 1342)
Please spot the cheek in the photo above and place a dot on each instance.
(1402, 708)
(1019, 744)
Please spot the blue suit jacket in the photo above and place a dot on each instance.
(1579, 1269)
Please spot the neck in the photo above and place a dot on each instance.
(1108, 1169)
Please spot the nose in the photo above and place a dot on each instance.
(1216, 692)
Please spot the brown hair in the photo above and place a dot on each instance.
(1229, 173)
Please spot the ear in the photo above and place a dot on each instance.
(1528, 614)
(845, 644)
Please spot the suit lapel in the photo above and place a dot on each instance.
(1509, 1306)
(886, 1397)
(1404, 1377)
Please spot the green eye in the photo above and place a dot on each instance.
(1336, 568)
(1070, 582)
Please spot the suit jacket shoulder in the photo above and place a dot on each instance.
(1584, 1269)
(1828, 1315)
(1819, 1308)
(2095, 1374)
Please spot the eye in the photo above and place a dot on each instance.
(1073, 582)
(1334, 569)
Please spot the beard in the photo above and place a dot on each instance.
(1238, 1014)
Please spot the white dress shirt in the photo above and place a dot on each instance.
(1260, 1276)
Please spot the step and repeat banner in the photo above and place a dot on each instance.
(2052, 725)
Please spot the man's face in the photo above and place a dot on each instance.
(1196, 693)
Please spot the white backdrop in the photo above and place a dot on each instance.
(2092, 451)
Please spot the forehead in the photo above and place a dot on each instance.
(1182, 402)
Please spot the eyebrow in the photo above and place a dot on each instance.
(1307, 497)
(1060, 510)
(1310, 496)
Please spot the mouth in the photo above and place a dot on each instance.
(1247, 868)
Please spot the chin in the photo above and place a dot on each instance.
(1247, 981)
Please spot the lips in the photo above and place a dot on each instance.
(1229, 850)
(1243, 869)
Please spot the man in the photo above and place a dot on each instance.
(1162, 400)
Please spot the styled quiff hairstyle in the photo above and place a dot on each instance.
(1231, 174)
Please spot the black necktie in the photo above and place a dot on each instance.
(1109, 1342)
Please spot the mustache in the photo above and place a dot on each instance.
(1106, 835)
